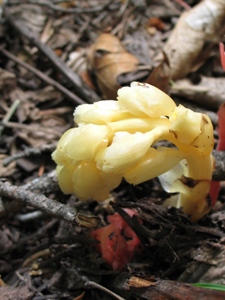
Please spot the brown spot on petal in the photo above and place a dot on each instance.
(188, 181)
(145, 85)
(173, 132)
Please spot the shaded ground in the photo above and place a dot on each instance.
(47, 68)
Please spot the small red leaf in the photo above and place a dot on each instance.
(118, 242)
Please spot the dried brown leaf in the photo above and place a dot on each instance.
(27, 109)
(37, 134)
(32, 16)
(160, 76)
(156, 23)
(109, 59)
(204, 22)
(87, 79)
(7, 79)
(139, 282)
(6, 171)
(5, 239)
(10, 293)
(80, 297)
(62, 38)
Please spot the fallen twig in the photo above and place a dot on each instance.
(28, 152)
(9, 114)
(157, 289)
(31, 127)
(47, 205)
(75, 99)
(83, 91)
(47, 183)
(92, 284)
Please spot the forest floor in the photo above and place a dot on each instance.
(50, 62)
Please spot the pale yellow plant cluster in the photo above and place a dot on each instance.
(118, 139)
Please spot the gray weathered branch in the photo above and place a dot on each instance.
(47, 205)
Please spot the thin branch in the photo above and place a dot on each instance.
(47, 205)
(28, 152)
(135, 287)
(81, 88)
(9, 114)
(31, 127)
(92, 284)
(46, 183)
(75, 99)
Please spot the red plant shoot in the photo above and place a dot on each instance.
(221, 127)
(215, 185)
(118, 242)
(222, 55)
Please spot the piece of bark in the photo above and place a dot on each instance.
(207, 264)
(157, 289)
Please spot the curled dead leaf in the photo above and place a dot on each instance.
(7, 79)
(201, 24)
(156, 23)
(114, 67)
(108, 59)
(139, 282)
(6, 171)
(160, 75)
(80, 297)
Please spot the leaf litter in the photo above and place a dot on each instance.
(51, 256)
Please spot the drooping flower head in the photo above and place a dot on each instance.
(118, 139)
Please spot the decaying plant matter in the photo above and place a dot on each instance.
(118, 243)
(109, 59)
(47, 239)
(118, 139)
(203, 23)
